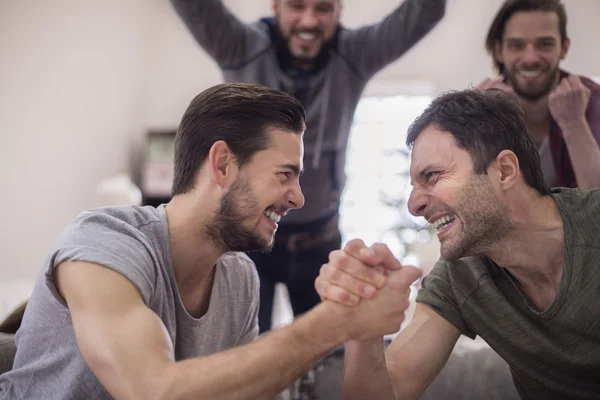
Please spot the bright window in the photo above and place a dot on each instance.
(376, 171)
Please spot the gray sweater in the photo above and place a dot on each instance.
(255, 53)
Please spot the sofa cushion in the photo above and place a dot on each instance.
(8, 350)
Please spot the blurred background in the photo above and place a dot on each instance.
(82, 83)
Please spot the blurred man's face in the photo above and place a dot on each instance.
(307, 25)
(531, 51)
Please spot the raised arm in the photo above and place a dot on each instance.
(127, 347)
(413, 360)
(371, 48)
(568, 103)
(419, 351)
(229, 41)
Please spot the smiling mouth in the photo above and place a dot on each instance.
(275, 213)
(443, 222)
(273, 216)
(530, 74)
(307, 36)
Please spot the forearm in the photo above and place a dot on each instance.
(373, 47)
(220, 33)
(261, 369)
(584, 153)
(365, 371)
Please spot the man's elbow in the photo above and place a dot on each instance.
(158, 385)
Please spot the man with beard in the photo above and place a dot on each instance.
(527, 40)
(520, 263)
(305, 52)
(144, 303)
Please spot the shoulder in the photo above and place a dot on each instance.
(117, 217)
(114, 237)
(126, 233)
(464, 270)
(590, 84)
(459, 278)
(594, 102)
(574, 202)
(580, 209)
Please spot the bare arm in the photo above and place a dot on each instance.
(585, 153)
(229, 41)
(568, 103)
(365, 371)
(127, 347)
(419, 352)
(371, 48)
(411, 363)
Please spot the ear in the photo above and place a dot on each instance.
(222, 164)
(565, 48)
(508, 168)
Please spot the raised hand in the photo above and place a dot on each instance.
(568, 101)
(359, 271)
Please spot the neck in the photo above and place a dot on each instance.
(537, 111)
(193, 252)
(536, 243)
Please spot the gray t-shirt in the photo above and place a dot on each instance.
(133, 241)
(553, 354)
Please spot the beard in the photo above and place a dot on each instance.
(533, 94)
(227, 227)
(485, 221)
(301, 59)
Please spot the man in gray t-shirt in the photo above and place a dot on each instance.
(143, 302)
(520, 263)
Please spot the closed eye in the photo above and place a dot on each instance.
(285, 176)
(430, 175)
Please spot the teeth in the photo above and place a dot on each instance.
(442, 222)
(530, 74)
(273, 216)
(306, 36)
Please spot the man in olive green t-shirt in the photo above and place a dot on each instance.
(520, 263)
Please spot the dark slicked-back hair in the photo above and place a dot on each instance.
(484, 124)
(241, 115)
(509, 8)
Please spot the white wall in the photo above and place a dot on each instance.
(70, 105)
(81, 81)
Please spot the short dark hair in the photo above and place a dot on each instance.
(240, 114)
(484, 124)
(509, 8)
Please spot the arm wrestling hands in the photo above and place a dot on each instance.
(362, 277)
(360, 272)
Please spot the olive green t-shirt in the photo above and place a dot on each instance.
(554, 354)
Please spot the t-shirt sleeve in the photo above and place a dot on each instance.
(438, 293)
(108, 241)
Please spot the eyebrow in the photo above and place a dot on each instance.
(518, 39)
(294, 167)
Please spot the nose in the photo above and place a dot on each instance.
(418, 203)
(530, 55)
(308, 18)
(295, 197)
